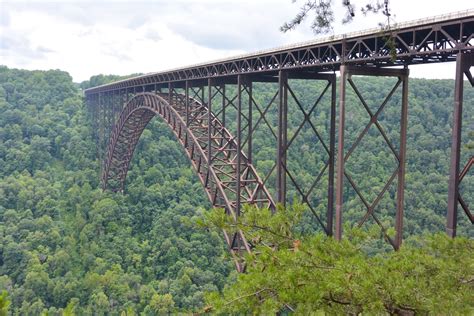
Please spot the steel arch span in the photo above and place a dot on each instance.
(215, 159)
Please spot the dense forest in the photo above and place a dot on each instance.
(69, 248)
(64, 243)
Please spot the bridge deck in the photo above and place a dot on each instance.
(428, 40)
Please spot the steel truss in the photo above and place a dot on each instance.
(283, 143)
(225, 171)
(346, 73)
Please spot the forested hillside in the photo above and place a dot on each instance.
(67, 246)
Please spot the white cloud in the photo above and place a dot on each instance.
(120, 37)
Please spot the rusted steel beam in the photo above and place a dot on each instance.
(209, 121)
(239, 142)
(463, 63)
(250, 122)
(402, 163)
(332, 148)
(187, 103)
(223, 105)
(340, 152)
(282, 136)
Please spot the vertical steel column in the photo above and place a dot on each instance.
(94, 119)
(111, 114)
(97, 124)
(202, 95)
(340, 152)
(102, 131)
(402, 163)
(282, 136)
(111, 111)
(332, 141)
(186, 93)
(114, 110)
(106, 113)
(116, 107)
(249, 136)
(223, 104)
(106, 119)
(239, 142)
(108, 105)
(170, 88)
(209, 121)
(453, 188)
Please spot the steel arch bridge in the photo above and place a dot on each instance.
(215, 159)
(212, 110)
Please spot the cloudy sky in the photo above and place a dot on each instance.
(122, 37)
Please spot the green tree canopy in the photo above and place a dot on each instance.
(308, 273)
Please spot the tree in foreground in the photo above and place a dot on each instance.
(4, 303)
(324, 14)
(307, 274)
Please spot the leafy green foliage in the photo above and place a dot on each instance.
(4, 303)
(307, 273)
(324, 13)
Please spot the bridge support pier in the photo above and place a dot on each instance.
(282, 135)
(346, 79)
(238, 165)
(464, 61)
